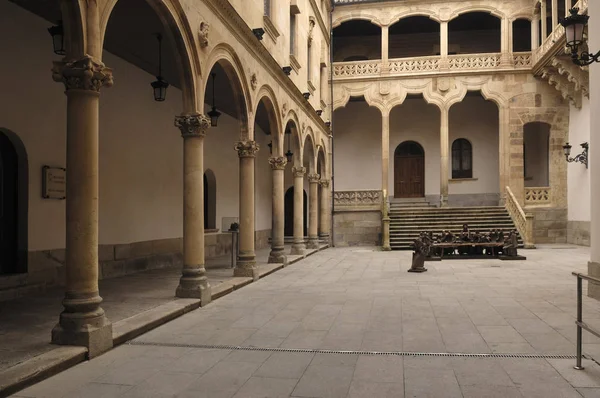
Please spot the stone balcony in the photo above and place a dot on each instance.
(432, 65)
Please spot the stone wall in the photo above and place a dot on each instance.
(578, 232)
(357, 228)
(550, 225)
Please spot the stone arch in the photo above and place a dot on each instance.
(267, 95)
(351, 17)
(14, 144)
(292, 118)
(322, 161)
(476, 8)
(414, 13)
(180, 34)
(75, 36)
(210, 200)
(226, 57)
(308, 151)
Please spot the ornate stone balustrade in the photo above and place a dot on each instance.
(538, 196)
(343, 2)
(523, 222)
(359, 200)
(357, 68)
(555, 43)
(473, 61)
(422, 66)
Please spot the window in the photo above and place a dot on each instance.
(293, 34)
(462, 159)
(267, 5)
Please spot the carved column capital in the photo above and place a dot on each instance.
(299, 171)
(192, 125)
(314, 178)
(82, 74)
(324, 183)
(278, 163)
(246, 149)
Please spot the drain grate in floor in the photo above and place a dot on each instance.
(320, 351)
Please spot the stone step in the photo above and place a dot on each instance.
(454, 209)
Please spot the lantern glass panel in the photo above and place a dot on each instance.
(567, 149)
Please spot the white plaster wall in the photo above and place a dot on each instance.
(578, 177)
(357, 147)
(417, 121)
(476, 120)
(141, 152)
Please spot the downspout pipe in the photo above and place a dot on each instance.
(331, 144)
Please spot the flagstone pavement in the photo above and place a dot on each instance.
(348, 322)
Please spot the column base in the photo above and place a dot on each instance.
(444, 201)
(246, 267)
(386, 248)
(593, 288)
(194, 284)
(277, 256)
(83, 323)
(298, 249)
(313, 242)
(324, 237)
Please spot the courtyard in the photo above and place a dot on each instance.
(351, 322)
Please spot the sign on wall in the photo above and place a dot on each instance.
(54, 182)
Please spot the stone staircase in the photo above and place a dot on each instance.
(409, 218)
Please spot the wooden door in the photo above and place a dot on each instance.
(409, 171)
(8, 206)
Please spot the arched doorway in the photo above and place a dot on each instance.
(289, 212)
(409, 170)
(13, 204)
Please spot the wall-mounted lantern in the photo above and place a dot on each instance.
(581, 158)
(58, 38)
(576, 31)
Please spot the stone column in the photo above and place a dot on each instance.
(246, 260)
(298, 247)
(554, 14)
(277, 254)
(543, 16)
(444, 159)
(313, 211)
(535, 32)
(324, 209)
(385, 150)
(505, 42)
(193, 282)
(385, 47)
(444, 44)
(82, 322)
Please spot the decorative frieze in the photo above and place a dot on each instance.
(538, 196)
(83, 74)
(246, 149)
(278, 163)
(194, 125)
(357, 200)
(570, 80)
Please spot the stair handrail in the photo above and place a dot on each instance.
(523, 221)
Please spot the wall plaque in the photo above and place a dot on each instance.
(54, 182)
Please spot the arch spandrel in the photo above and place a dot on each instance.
(476, 8)
(428, 13)
(357, 17)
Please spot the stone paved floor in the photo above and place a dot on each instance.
(25, 324)
(358, 299)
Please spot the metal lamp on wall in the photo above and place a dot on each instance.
(576, 31)
(58, 38)
(289, 155)
(160, 85)
(214, 113)
(581, 158)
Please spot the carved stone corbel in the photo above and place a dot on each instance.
(203, 34)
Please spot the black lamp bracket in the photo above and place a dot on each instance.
(582, 157)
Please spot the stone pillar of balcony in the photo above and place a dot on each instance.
(554, 14)
(385, 49)
(444, 158)
(535, 31)
(505, 43)
(543, 17)
(444, 44)
(385, 150)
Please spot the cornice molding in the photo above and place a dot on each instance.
(242, 32)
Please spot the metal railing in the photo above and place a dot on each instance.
(581, 326)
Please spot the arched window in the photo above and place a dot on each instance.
(462, 159)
